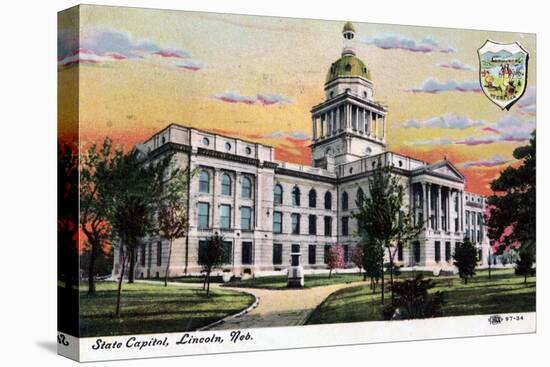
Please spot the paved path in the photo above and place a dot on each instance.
(276, 307)
(284, 307)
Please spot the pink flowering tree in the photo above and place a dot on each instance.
(335, 258)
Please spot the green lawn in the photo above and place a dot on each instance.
(504, 293)
(152, 308)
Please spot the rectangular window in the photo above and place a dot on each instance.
(467, 218)
(225, 216)
(204, 215)
(312, 224)
(277, 222)
(328, 226)
(246, 253)
(149, 254)
(416, 251)
(159, 253)
(202, 252)
(277, 254)
(346, 254)
(345, 226)
(227, 255)
(311, 254)
(142, 255)
(295, 223)
(447, 251)
(437, 250)
(246, 218)
(473, 235)
(478, 236)
(400, 252)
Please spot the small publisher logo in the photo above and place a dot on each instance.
(62, 340)
(495, 320)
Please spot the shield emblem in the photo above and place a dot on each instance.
(503, 72)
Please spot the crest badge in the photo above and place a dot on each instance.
(503, 72)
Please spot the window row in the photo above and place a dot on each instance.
(296, 197)
(226, 184)
(295, 220)
(359, 199)
(225, 216)
(146, 254)
(311, 253)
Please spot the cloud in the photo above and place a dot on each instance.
(456, 65)
(102, 45)
(439, 141)
(446, 121)
(509, 129)
(527, 105)
(434, 86)
(261, 99)
(390, 42)
(496, 160)
(296, 135)
(189, 64)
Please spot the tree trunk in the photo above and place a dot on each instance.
(208, 283)
(120, 278)
(382, 284)
(168, 263)
(132, 264)
(391, 273)
(525, 279)
(91, 267)
(489, 266)
(204, 283)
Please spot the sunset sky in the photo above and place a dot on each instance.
(258, 77)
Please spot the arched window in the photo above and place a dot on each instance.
(344, 201)
(246, 188)
(278, 194)
(360, 197)
(226, 184)
(204, 181)
(312, 198)
(296, 196)
(328, 200)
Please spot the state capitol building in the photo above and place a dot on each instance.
(263, 207)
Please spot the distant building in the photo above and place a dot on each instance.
(262, 206)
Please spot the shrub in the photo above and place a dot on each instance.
(412, 300)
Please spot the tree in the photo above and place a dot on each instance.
(94, 165)
(465, 259)
(212, 256)
(412, 300)
(357, 256)
(524, 265)
(335, 258)
(133, 187)
(512, 221)
(173, 214)
(373, 261)
(385, 217)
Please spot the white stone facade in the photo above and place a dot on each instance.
(242, 193)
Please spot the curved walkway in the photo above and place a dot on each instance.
(280, 307)
(276, 307)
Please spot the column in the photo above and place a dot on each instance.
(338, 121)
(333, 119)
(348, 116)
(449, 209)
(383, 128)
(368, 122)
(363, 121)
(461, 210)
(373, 126)
(314, 123)
(438, 217)
(235, 221)
(357, 111)
(429, 199)
(424, 205)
